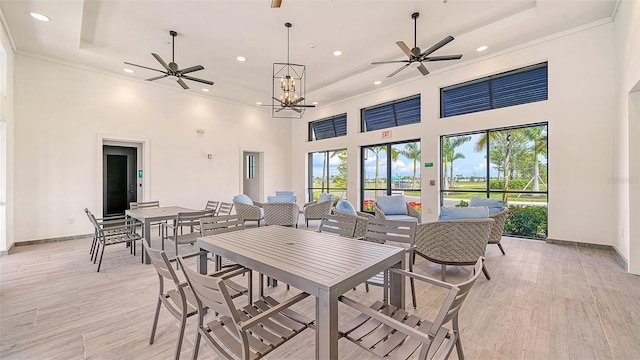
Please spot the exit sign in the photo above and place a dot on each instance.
(386, 134)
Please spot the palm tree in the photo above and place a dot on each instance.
(504, 138)
(412, 152)
(537, 134)
(377, 150)
(449, 145)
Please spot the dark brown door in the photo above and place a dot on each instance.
(119, 179)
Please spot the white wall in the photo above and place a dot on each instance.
(60, 110)
(627, 136)
(579, 112)
(6, 114)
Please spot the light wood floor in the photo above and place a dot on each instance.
(543, 302)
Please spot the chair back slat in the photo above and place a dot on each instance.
(161, 263)
(340, 225)
(220, 224)
(383, 231)
(192, 218)
(211, 292)
(224, 208)
(144, 204)
(212, 205)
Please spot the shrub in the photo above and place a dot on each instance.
(462, 203)
(528, 221)
(514, 184)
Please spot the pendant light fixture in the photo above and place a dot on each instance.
(288, 88)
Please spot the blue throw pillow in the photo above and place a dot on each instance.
(243, 199)
(392, 205)
(494, 205)
(281, 199)
(325, 197)
(346, 207)
(453, 213)
(285, 193)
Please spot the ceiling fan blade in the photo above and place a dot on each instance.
(397, 71)
(296, 110)
(278, 100)
(405, 49)
(282, 108)
(390, 62)
(276, 3)
(198, 80)
(144, 67)
(437, 46)
(184, 86)
(164, 64)
(157, 77)
(423, 70)
(191, 69)
(443, 57)
(297, 101)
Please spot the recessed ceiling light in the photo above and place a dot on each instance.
(258, 103)
(241, 58)
(377, 82)
(39, 16)
(337, 53)
(128, 71)
(482, 48)
(315, 103)
(205, 90)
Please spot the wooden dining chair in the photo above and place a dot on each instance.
(212, 205)
(112, 232)
(392, 333)
(183, 229)
(176, 296)
(218, 225)
(250, 332)
(224, 208)
(339, 225)
(397, 233)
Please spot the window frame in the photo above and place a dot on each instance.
(332, 119)
(392, 106)
(489, 81)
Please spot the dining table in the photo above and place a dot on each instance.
(149, 215)
(320, 264)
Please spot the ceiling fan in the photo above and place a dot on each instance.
(172, 70)
(415, 56)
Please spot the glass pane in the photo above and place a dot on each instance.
(518, 160)
(375, 174)
(527, 216)
(461, 199)
(405, 172)
(464, 168)
(338, 172)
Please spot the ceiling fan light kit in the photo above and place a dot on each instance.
(288, 88)
(172, 70)
(415, 56)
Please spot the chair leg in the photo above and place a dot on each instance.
(261, 285)
(155, 322)
(486, 273)
(413, 285)
(307, 221)
(501, 249)
(196, 344)
(366, 287)
(456, 329)
(183, 325)
(100, 262)
(443, 272)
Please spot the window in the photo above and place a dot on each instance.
(251, 166)
(505, 164)
(391, 169)
(327, 173)
(397, 113)
(512, 88)
(328, 128)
